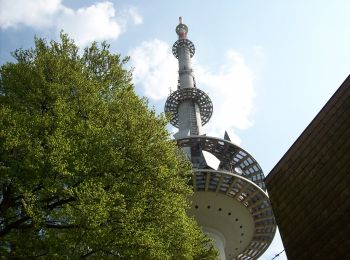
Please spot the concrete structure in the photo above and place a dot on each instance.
(310, 186)
(229, 201)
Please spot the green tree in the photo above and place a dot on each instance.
(86, 169)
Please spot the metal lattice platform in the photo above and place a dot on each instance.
(232, 157)
(183, 42)
(197, 95)
(252, 241)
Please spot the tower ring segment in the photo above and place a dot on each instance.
(198, 96)
(183, 42)
(235, 207)
(232, 157)
(230, 199)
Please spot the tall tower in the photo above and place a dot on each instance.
(229, 202)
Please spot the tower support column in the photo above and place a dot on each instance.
(218, 239)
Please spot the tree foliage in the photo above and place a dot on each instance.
(86, 169)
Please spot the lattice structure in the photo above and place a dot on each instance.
(232, 157)
(196, 95)
(251, 197)
(183, 42)
(239, 178)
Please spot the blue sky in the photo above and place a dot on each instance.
(269, 66)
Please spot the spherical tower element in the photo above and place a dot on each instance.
(230, 201)
(181, 29)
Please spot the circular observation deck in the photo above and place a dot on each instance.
(198, 96)
(232, 157)
(231, 200)
(236, 208)
(183, 42)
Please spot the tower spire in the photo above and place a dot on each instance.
(189, 106)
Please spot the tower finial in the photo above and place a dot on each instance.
(181, 29)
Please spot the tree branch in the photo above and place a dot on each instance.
(7, 200)
(61, 226)
(60, 203)
(13, 225)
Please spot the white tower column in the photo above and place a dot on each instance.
(190, 122)
(219, 240)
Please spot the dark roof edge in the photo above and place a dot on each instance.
(323, 110)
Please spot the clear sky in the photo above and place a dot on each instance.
(268, 66)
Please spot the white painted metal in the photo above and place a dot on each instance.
(188, 110)
(229, 200)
